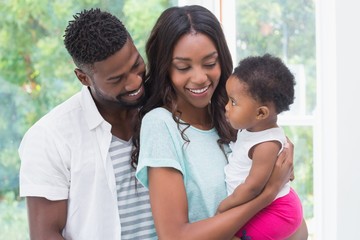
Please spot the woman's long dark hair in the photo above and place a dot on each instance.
(172, 24)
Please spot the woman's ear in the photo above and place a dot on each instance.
(83, 78)
(262, 112)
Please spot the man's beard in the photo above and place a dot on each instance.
(125, 104)
(120, 102)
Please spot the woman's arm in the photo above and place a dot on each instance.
(46, 218)
(170, 209)
(301, 233)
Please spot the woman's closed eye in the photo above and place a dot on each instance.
(185, 68)
(210, 65)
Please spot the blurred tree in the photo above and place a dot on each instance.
(282, 28)
(285, 29)
(36, 74)
(302, 137)
(141, 25)
(35, 66)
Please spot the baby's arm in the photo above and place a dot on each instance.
(264, 156)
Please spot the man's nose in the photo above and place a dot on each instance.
(133, 82)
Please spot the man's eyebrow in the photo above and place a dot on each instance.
(210, 55)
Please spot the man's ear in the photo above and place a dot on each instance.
(83, 78)
(262, 112)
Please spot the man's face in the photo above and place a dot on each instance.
(118, 80)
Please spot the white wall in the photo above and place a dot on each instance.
(337, 165)
(348, 76)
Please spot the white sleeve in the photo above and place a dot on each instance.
(43, 172)
(158, 147)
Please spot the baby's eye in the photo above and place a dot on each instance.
(233, 103)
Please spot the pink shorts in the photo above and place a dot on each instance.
(277, 221)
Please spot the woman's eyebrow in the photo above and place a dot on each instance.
(210, 55)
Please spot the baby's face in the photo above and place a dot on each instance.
(242, 108)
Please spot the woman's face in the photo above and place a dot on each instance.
(195, 71)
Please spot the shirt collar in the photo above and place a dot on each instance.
(92, 114)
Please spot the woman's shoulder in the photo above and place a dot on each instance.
(157, 121)
(158, 113)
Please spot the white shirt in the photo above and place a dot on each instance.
(65, 156)
(238, 168)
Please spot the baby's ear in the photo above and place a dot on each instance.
(262, 112)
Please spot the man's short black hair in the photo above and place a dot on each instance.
(93, 36)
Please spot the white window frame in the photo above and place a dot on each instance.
(325, 161)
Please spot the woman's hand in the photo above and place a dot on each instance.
(283, 170)
(289, 146)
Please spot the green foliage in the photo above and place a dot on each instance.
(36, 74)
(13, 218)
(141, 25)
(283, 28)
(302, 138)
(9, 168)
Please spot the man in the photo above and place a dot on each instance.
(75, 161)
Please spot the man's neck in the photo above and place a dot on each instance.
(120, 118)
(121, 121)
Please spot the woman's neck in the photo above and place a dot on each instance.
(197, 117)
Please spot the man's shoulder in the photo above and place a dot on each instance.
(69, 110)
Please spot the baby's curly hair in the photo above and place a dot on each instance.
(268, 80)
(93, 36)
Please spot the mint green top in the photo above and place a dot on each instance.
(201, 162)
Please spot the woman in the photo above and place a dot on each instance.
(184, 132)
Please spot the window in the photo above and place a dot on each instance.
(285, 29)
